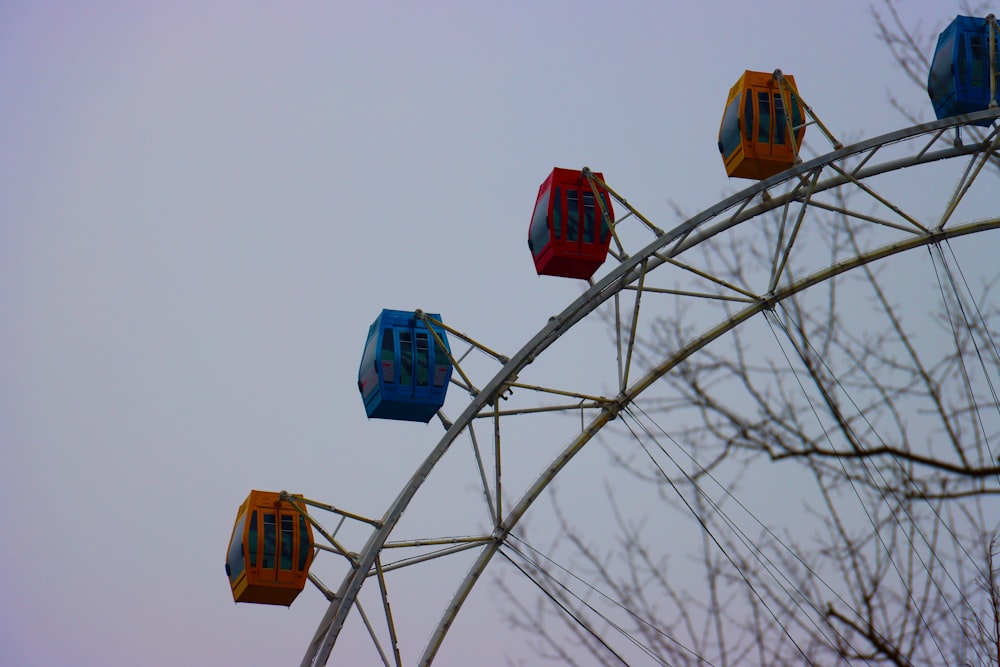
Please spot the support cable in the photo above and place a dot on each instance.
(847, 475)
(906, 475)
(643, 621)
(566, 589)
(708, 531)
(970, 327)
(583, 624)
(788, 587)
(702, 470)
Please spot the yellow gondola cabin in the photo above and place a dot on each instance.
(755, 137)
(270, 550)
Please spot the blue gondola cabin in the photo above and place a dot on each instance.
(270, 550)
(405, 370)
(569, 235)
(963, 66)
(755, 137)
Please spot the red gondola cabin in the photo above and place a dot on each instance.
(270, 550)
(569, 233)
(755, 137)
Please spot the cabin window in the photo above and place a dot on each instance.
(748, 116)
(979, 61)
(305, 546)
(388, 354)
(405, 358)
(557, 214)
(996, 54)
(572, 215)
(764, 120)
(287, 541)
(423, 359)
(252, 539)
(368, 368)
(963, 65)
(270, 539)
(441, 362)
(796, 111)
(235, 559)
(605, 227)
(729, 135)
(588, 217)
(538, 237)
(941, 68)
(780, 123)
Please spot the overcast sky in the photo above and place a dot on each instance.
(203, 205)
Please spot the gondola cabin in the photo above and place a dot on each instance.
(965, 62)
(569, 234)
(755, 136)
(270, 550)
(405, 369)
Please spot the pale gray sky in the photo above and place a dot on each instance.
(203, 205)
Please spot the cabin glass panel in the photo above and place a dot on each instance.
(539, 234)
(287, 541)
(305, 545)
(235, 559)
(941, 70)
(979, 62)
(796, 113)
(270, 541)
(780, 122)
(589, 219)
(963, 61)
(572, 215)
(252, 539)
(557, 214)
(996, 58)
(388, 355)
(605, 226)
(369, 372)
(764, 120)
(441, 363)
(748, 116)
(423, 359)
(729, 136)
(405, 358)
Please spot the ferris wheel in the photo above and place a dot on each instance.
(778, 259)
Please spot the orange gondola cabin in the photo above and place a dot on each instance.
(270, 550)
(570, 234)
(755, 137)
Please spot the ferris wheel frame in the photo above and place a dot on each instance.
(726, 214)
